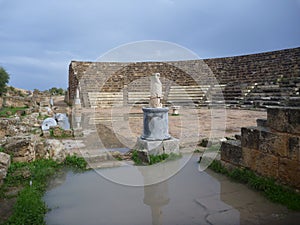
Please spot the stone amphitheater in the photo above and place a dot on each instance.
(256, 80)
(269, 141)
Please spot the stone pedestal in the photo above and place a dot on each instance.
(156, 139)
(156, 124)
(175, 110)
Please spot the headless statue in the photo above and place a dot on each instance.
(155, 91)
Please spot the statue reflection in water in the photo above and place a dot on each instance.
(156, 187)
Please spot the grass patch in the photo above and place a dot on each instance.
(153, 159)
(136, 158)
(9, 111)
(157, 158)
(33, 179)
(268, 186)
(75, 162)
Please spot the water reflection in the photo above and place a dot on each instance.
(189, 197)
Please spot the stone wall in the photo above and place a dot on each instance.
(16, 101)
(272, 148)
(248, 69)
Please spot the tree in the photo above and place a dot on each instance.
(4, 78)
(57, 91)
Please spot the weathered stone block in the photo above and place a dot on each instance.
(273, 143)
(261, 122)
(264, 164)
(4, 160)
(55, 149)
(4, 165)
(57, 131)
(153, 147)
(171, 146)
(231, 151)
(22, 148)
(284, 119)
(250, 137)
(289, 172)
(294, 148)
(158, 147)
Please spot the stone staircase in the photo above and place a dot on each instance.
(265, 95)
(187, 95)
(232, 94)
(272, 94)
(244, 95)
(214, 96)
(105, 99)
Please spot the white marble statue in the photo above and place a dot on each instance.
(155, 91)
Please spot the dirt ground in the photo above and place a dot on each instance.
(125, 124)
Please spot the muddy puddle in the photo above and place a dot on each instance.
(189, 197)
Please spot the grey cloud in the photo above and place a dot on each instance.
(38, 38)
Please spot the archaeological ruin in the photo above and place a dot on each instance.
(266, 80)
(256, 80)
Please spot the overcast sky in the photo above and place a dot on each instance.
(39, 38)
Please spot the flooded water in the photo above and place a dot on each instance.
(189, 197)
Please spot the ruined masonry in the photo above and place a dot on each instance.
(271, 149)
(256, 80)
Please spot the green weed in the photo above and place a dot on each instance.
(9, 111)
(76, 162)
(273, 191)
(33, 178)
(153, 159)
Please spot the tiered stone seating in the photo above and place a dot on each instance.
(214, 96)
(233, 94)
(265, 95)
(261, 79)
(140, 98)
(273, 94)
(187, 95)
(105, 99)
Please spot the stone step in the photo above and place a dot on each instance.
(186, 94)
(93, 157)
(191, 87)
(108, 164)
(174, 98)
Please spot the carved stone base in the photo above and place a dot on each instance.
(158, 147)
